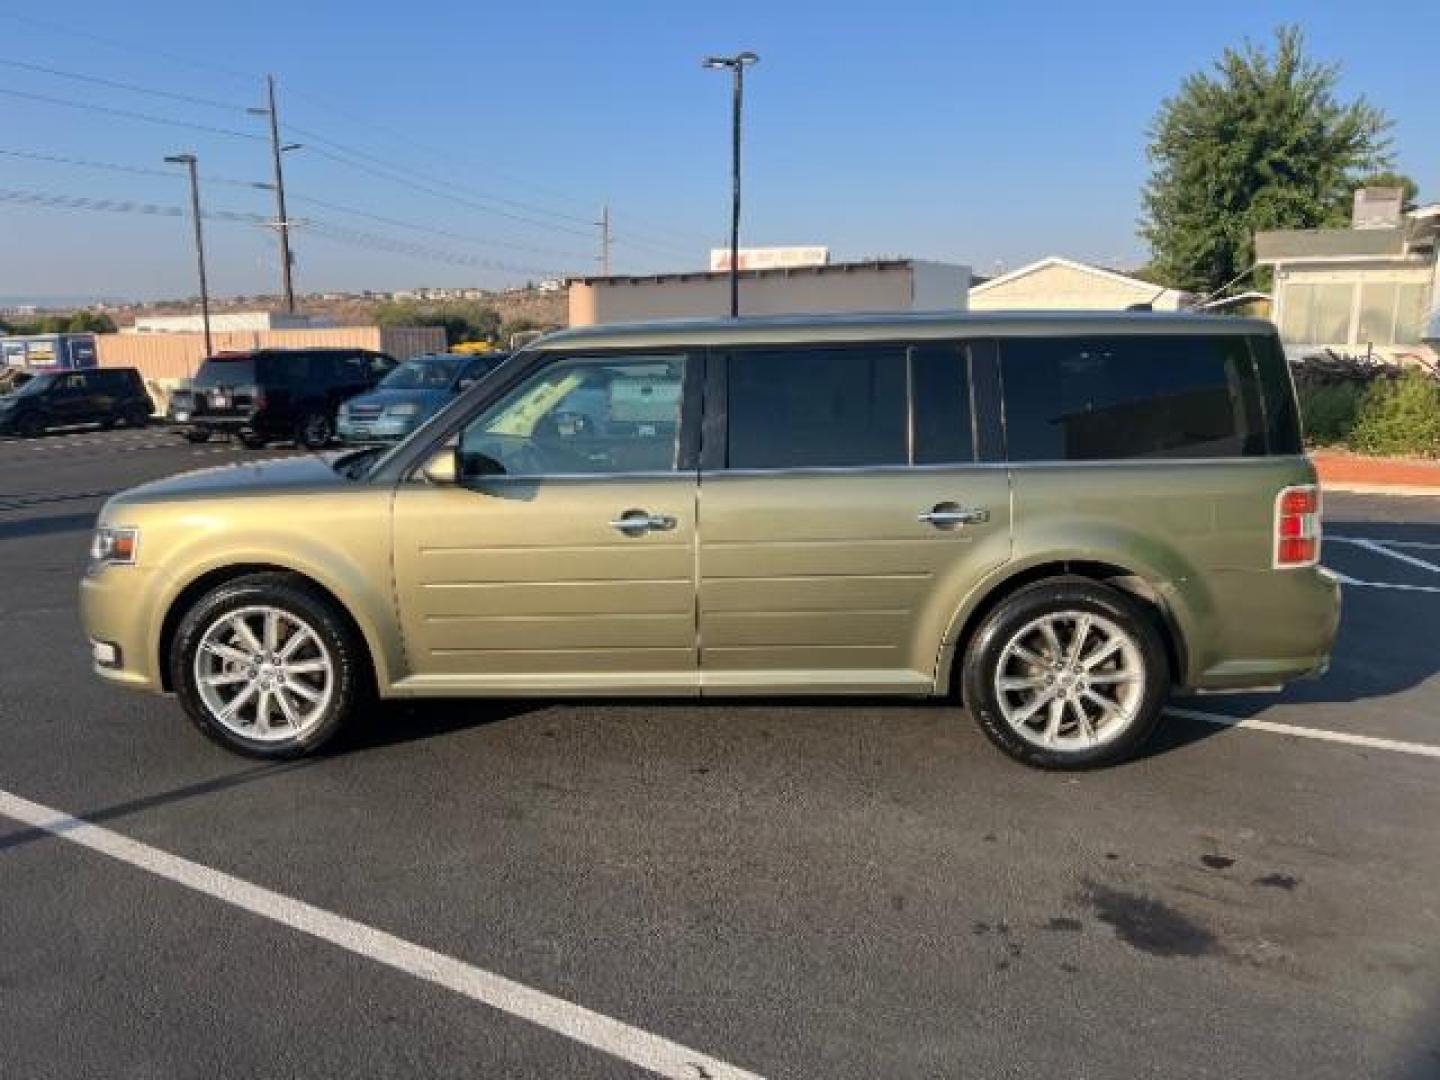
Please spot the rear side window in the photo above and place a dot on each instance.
(940, 391)
(809, 408)
(1277, 391)
(1102, 398)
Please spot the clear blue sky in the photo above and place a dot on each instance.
(978, 133)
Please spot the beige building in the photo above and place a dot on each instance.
(879, 285)
(1060, 284)
(166, 358)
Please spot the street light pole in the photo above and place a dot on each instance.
(191, 162)
(736, 65)
(282, 222)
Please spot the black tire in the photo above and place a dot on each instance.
(352, 687)
(252, 442)
(314, 431)
(30, 426)
(197, 436)
(1061, 596)
(136, 417)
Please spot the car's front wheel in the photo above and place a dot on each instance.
(1067, 674)
(266, 665)
(30, 425)
(198, 435)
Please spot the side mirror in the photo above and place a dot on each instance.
(443, 469)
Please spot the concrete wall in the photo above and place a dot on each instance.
(898, 287)
(1066, 288)
(177, 356)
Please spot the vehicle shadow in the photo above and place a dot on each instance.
(390, 723)
(47, 526)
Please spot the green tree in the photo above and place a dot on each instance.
(1260, 142)
(463, 320)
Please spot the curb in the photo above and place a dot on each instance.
(1356, 487)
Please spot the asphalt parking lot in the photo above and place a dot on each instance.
(813, 889)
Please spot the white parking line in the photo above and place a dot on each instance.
(1384, 549)
(1370, 742)
(614, 1037)
(1346, 579)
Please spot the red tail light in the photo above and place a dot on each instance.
(1297, 526)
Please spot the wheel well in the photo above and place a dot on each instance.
(1117, 577)
(191, 594)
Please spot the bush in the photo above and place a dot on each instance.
(1328, 411)
(1400, 416)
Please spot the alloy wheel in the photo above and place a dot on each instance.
(264, 673)
(1070, 680)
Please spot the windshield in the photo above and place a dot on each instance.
(38, 385)
(423, 373)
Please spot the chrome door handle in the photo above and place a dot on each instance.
(948, 515)
(637, 522)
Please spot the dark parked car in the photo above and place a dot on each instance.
(104, 396)
(411, 394)
(271, 395)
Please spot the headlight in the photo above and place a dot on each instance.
(404, 408)
(114, 546)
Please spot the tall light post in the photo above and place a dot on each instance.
(736, 65)
(282, 221)
(190, 161)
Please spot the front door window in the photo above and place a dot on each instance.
(582, 416)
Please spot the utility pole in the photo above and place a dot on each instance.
(736, 65)
(282, 220)
(191, 162)
(604, 224)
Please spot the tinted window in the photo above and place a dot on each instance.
(1095, 398)
(1282, 418)
(223, 371)
(940, 389)
(797, 408)
(292, 369)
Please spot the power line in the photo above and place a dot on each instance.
(321, 229)
(113, 166)
(400, 178)
(139, 170)
(113, 84)
(208, 65)
(652, 237)
(463, 238)
(129, 115)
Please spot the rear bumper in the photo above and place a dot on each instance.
(1279, 626)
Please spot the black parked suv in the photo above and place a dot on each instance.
(104, 396)
(270, 395)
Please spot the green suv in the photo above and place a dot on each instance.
(1057, 519)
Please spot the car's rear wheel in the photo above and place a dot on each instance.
(197, 436)
(30, 425)
(314, 431)
(1067, 674)
(253, 442)
(267, 666)
(137, 416)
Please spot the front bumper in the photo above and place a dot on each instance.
(115, 615)
(383, 430)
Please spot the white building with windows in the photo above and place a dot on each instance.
(1366, 289)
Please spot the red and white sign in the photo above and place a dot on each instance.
(770, 258)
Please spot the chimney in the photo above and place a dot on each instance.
(1378, 207)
